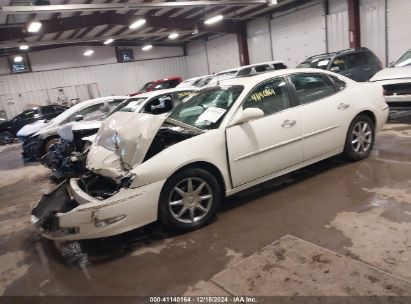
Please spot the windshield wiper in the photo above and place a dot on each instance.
(184, 125)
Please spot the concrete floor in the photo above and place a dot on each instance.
(361, 211)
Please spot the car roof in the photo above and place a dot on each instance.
(346, 51)
(249, 66)
(165, 91)
(252, 80)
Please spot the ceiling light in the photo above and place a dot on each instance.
(137, 23)
(214, 19)
(272, 2)
(24, 47)
(173, 36)
(88, 53)
(108, 41)
(147, 47)
(34, 27)
(18, 59)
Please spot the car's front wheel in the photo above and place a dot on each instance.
(189, 199)
(360, 138)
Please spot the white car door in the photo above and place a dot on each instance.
(325, 113)
(263, 146)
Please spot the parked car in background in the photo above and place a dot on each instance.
(67, 156)
(197, 82)
(246, 70)
(37, 138)
(220, 141)
(9, 129)
(396, 81)
(359, 64)
(161, 84)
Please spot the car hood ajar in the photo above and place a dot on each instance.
(392, 73)
(122, 142)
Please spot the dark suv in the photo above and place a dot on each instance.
(8, 129)
(359, 64)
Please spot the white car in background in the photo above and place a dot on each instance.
(223, 139)
(38, 137)
(247, 70)
(396, 81)
(196, 82)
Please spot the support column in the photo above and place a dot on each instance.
(243, 47)
(354, 26)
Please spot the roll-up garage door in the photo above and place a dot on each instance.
(223, 53)
(298, 35)
(399, 27)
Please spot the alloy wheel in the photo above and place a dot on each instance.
(362, 137)
(190, 200)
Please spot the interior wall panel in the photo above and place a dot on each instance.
(337, 25)
(399, 27)
(111, 79)
(259, 40)
(223, 53)
(298, 35)
(197, 64)
(373, 27)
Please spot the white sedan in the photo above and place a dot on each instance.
(224, 139)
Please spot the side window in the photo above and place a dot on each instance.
(355, 60)
(270, 96)
(58, 109)
(279, 66)
(47, 110)
(339, 84)
(28, 114)
(312, 87)
(370, 58)
(338, 64)
(114, 103)
(90, 112)
(159, 105)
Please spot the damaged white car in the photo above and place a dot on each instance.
(224, 139)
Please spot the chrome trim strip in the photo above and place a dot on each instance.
(286, 142)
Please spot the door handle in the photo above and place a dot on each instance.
(288, 123)
(343, 106)
(347, 74)
(367, 69)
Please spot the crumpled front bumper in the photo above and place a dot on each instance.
(68, 213)
(32, 147)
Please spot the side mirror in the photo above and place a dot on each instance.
(79, 117)
(247, 115)
(335, 69)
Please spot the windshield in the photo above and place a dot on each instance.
(318, 62)
(146, 87)
(130, 105)
(206, 109)
(404, 60)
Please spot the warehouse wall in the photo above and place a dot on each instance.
(337, 26)
(399, 28)
(103, 77)
(197, 61)
(259, 40)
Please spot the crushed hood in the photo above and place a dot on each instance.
(122, 142)
(392, 73)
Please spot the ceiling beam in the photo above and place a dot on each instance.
(28, 9)
(91, 21)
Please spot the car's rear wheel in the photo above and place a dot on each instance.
(6, 137)
(360, 138)
(189, 199)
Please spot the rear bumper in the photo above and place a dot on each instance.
(68, 213)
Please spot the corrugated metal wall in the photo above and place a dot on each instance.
(399, 27)
(259, 40)
(197, 63)
(299, 34)
(337, 26)
(112, 79)
(373, 27)
(223, 53)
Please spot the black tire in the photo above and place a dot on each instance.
(168, 194)
(351, 150)
(49, 143)
(6, 137)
